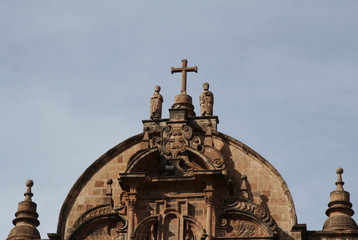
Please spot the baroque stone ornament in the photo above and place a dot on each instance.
(101, 222)
(245, 219)
(181, 148)
(206, 101)
(156, 104)
(174, 140)
(170, 221)
(95, 212)
(236, 227)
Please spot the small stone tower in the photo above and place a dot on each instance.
(339, 210)
(26, 218)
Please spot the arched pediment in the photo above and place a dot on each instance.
(177, 151)
(132, 157)
(144, 161)
(153, 163)
(101, 222)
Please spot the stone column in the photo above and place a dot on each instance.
(209, 210)
(132, 198)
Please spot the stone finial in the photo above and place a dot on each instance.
(156, 104)
(206, 101)
(26, 218)
(339, 210)
(339, 182)
(28, 195)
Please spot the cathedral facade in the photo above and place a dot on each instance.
(181, 179)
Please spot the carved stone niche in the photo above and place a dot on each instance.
(100, 223)
(169, 224)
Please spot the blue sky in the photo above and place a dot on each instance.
(76, 78)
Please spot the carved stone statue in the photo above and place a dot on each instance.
(156, 104)
(206, 101)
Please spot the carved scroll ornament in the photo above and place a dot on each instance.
(246, 219)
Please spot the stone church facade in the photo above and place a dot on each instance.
(181, 179)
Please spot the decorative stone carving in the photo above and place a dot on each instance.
(169, 221)
(174, 140)
(156, 104)
(179, 148)
(245, 219)
(95, 212)
(236, 227)
(206, 101)
(100, 223)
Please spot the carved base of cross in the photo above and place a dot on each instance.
(186, 102)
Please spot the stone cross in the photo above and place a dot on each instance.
(184, 69)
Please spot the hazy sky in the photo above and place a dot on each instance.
(76, 78)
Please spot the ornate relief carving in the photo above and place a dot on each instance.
(256, 210)
(101, 222)
(234, 227)
(178, 146)
(245, 219)
(101, 226)
(174, 139)
(216, 158)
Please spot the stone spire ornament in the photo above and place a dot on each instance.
(183, 100)
(26, 218)
(156, 104)
(339, 210)
(206, 101)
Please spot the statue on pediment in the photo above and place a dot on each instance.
(156, 104)
(206, 101)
